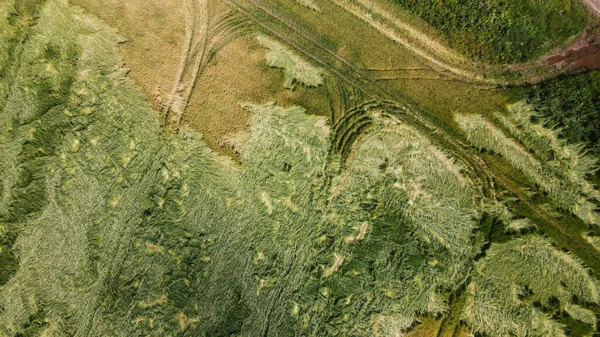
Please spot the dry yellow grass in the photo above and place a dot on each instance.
(238, 74)
(155, 33)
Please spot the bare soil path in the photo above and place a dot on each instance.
(593, 5)
(582, 54)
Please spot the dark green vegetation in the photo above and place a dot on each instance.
(572, 104)
(113, 225)
(503, 32)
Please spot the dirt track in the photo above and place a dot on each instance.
(593, 5)
(587, 58)
(196, 35)
(585, 52)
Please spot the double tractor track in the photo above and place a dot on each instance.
(351, 124)
(378, 95)
(203, 39)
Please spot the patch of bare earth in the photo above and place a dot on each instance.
(583, 54)
(155, 33)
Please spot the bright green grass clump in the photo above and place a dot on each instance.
(502, 32)
(295, 69)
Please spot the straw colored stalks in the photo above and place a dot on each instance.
(399, 184)
(582, 314)
(113, 226)
(513, 225)
(567, 194)
(294, 68)
(592, 240)
(520, 225)
(203, 38)
(194, 54)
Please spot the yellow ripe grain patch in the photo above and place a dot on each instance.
(160, 300)
(153, 249)
(185, 322)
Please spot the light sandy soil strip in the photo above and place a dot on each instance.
(593, 5)
(409, 37)
(196, 27)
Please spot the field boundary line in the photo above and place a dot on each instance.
(364, 11)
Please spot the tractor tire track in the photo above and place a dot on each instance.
(181, 88)
(201, 42)
(480, 173)
(405, 35)
(356, 77)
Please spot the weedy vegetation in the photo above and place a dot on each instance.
(572, 104)
(112, 224)
(506, 284)
(503, 32)
(568, 160)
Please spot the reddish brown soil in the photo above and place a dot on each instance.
(587, 58)
(583, 54)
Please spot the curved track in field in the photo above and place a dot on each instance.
(358, 121)
(371, 90)
(351, 123)
(439, 58)
(202, 40)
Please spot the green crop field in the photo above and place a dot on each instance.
(412, 196)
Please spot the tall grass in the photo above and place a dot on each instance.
(573, 103)
(564, 192)
(519, 273)
(582, 314)
(122, 229)
(569, 161)
(408, 197)
(502, 32)
(294, 68)
(512, 224)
